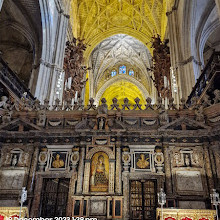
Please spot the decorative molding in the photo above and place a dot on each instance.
(50, 65)
(190, 59)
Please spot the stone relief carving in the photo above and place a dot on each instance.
(189, 181)
(159, 159)
(217, 96)
(11, 179)
(186, 157)
(6, 118)
(199, 112)
(42, 158)
(41, 118)
(15, 157)
(126, 159)
(74, 158)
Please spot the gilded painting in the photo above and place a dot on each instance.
(99, 176)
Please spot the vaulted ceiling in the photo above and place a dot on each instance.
(95, 20)
(119, 48)
(118, 31)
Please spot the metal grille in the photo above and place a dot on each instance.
(54, 197)
(143, 199)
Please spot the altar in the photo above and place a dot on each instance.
(186, 214)
(12, 212)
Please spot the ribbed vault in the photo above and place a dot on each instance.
(95, 20)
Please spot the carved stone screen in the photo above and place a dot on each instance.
(143, 199)
(54, 197)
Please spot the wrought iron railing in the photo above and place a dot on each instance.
(211, 68)
(10, 80)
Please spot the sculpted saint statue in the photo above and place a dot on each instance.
(57, 163)
(142, 162)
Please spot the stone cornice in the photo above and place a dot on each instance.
(189, 60)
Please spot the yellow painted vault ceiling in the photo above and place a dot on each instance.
(95, 20)
(100, 21)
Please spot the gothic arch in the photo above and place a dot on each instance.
(118, 78)
(102, 36)
(201, 35)
(106, 150)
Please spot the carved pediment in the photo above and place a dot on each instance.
(19, 125)
(184, 123)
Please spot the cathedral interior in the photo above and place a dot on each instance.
(110, 109)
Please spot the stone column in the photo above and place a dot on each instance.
(212, 151)
(208, 168)
(37, 196)
(33, 168)
(71, 193)
(174, 49)
(118, 170)
(53, 49)
(168, 175)
(111, 176)
(216, 160)
(182, 60)
(80, 171)
(86, 176)
(1, 3)
(217, 2)
(125, 178)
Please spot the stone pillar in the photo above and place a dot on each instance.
(118, 170)
(183, 62)
(37, 196)
(33, 168)
(53, 49)
(208, 168)
(71, 193)
(212, 151)
(80, 171)
(125, 209)
(111, 176)
(168, 175)
(1, 3)
(217, 2)
(216, 160)
(86, 176)
(174, 50)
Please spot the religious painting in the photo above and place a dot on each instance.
(99, 176)
(58, 160)
(142, 161)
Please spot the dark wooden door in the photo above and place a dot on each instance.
(54, 197)
(143, 199)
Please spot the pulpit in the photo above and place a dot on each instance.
(186, 214)
(7, 212)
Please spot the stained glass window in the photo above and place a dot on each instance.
(114, 72)
(131, 72)
(122, 69)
